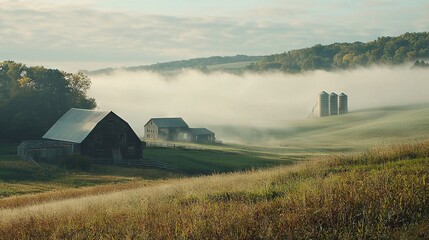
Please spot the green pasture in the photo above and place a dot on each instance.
(190, 162)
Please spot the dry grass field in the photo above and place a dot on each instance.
(382, 194)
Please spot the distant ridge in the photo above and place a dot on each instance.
(228, 63)
(406, 48)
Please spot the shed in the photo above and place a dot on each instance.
(202, 135)
(44, 150)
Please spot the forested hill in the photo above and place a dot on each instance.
(385, 50)
(408, 47)
(228, 63)
(32, 99)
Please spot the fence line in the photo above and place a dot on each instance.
(172, 145)
(149, 162)
(145, 162)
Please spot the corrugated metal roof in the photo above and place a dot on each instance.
(169, 122)
(200, 131)
(75, 125)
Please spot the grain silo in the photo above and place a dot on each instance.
(333, 104)
(342, 104)
(323, 104)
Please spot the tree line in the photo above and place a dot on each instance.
(408, 47)
(201, 64)
(32, 99)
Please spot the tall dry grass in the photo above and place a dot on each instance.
(67, 193)
(380, 194)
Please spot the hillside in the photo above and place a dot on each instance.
(351, 132)
(379, 194)
(408, 47)
(234, 64)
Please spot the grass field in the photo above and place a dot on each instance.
(196, 162)
(379, 194)
(23, 177)
(236, 67)
(339, 177)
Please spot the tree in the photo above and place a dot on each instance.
(78, 84)
(420, 64)
(33, 98)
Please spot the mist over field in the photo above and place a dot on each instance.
(250, 100)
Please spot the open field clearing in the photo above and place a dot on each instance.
(236, 67)
(382, 193)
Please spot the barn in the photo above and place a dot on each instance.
(167, 129)
(176, 129)
(101, 135)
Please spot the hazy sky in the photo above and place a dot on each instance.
(90, 34)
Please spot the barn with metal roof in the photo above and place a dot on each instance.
(169, 122)
(170, 129)
(101, 135)
(75, 125)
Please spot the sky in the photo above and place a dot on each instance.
(93, 34)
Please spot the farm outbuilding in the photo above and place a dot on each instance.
(44, 150)
(202, 135)
(101, 135)
(176, 129)
(167, 129)
(323, 104)
(331, 104)
(342, 104)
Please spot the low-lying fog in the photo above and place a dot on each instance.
(254, 100)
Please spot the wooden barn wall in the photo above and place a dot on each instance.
(112, 133)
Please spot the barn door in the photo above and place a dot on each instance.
(116, 153)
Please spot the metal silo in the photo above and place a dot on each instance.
(342, 104)
(323, 104)
(333, 104)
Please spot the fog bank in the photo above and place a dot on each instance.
(258, 100)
